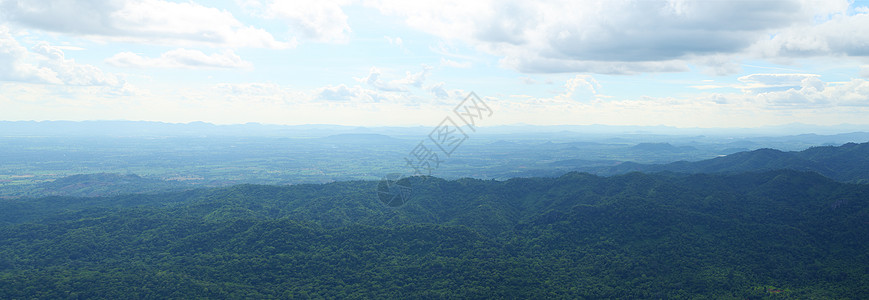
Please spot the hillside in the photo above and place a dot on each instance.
(778, 233)
(848, 163)
(104, 184)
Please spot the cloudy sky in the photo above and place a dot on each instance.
(382, 62)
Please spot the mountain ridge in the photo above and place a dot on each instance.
(848, 162)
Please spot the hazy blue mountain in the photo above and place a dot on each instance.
(661, 147)
(848, 162)
(145, 128)
(355, 139)
(104, 184)
(159, 129)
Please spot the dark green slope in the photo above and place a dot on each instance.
(772, 234)
(848, 162)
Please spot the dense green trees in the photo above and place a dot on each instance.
(780, 234)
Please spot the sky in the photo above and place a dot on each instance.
(677, 63)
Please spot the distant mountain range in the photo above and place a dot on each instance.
(661, 147)
(146, 128)
(848, 162)
(845, 163)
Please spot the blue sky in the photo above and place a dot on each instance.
(383, 62)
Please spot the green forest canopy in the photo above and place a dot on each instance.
(772, 234)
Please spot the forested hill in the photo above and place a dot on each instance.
(848, 163)
(103, 184)
(769, 234)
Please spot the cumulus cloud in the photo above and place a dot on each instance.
(578, 88)
(813, 94)
(374, 80)
(795, 92)
(635, 36)
(323, 21)
(141, 21)
(841, 35)
(180, 58)
(395, 41)
(852, 93)
(13, 65)
(758, 83)
(375, 89)
(439, 91)
(354, 94)
(587, 82)
(414, 79)
(340, 93)
(44, 63)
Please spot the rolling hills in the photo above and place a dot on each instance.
(848, 163)
(776, 233)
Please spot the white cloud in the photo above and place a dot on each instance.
(864, 71)
(757, 83)
(45, 63)
(454, 64)
(405, 90)
(798, 92)
(770, 82)
(578, 88)
(587, 82)
(813, 94)
(852, 93)
(841, 35)
(534, 63)
(373, 80)
(637, 36)
(834, 104)
(13, 65)
(140, 21)
(413, 79)
(356, 94)
(442, 94)
(416, 80)
(394, 41)
(438, 90)
(805, 99)
(718, 64)
(340, 93)
(180, 58)
(323, 21)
